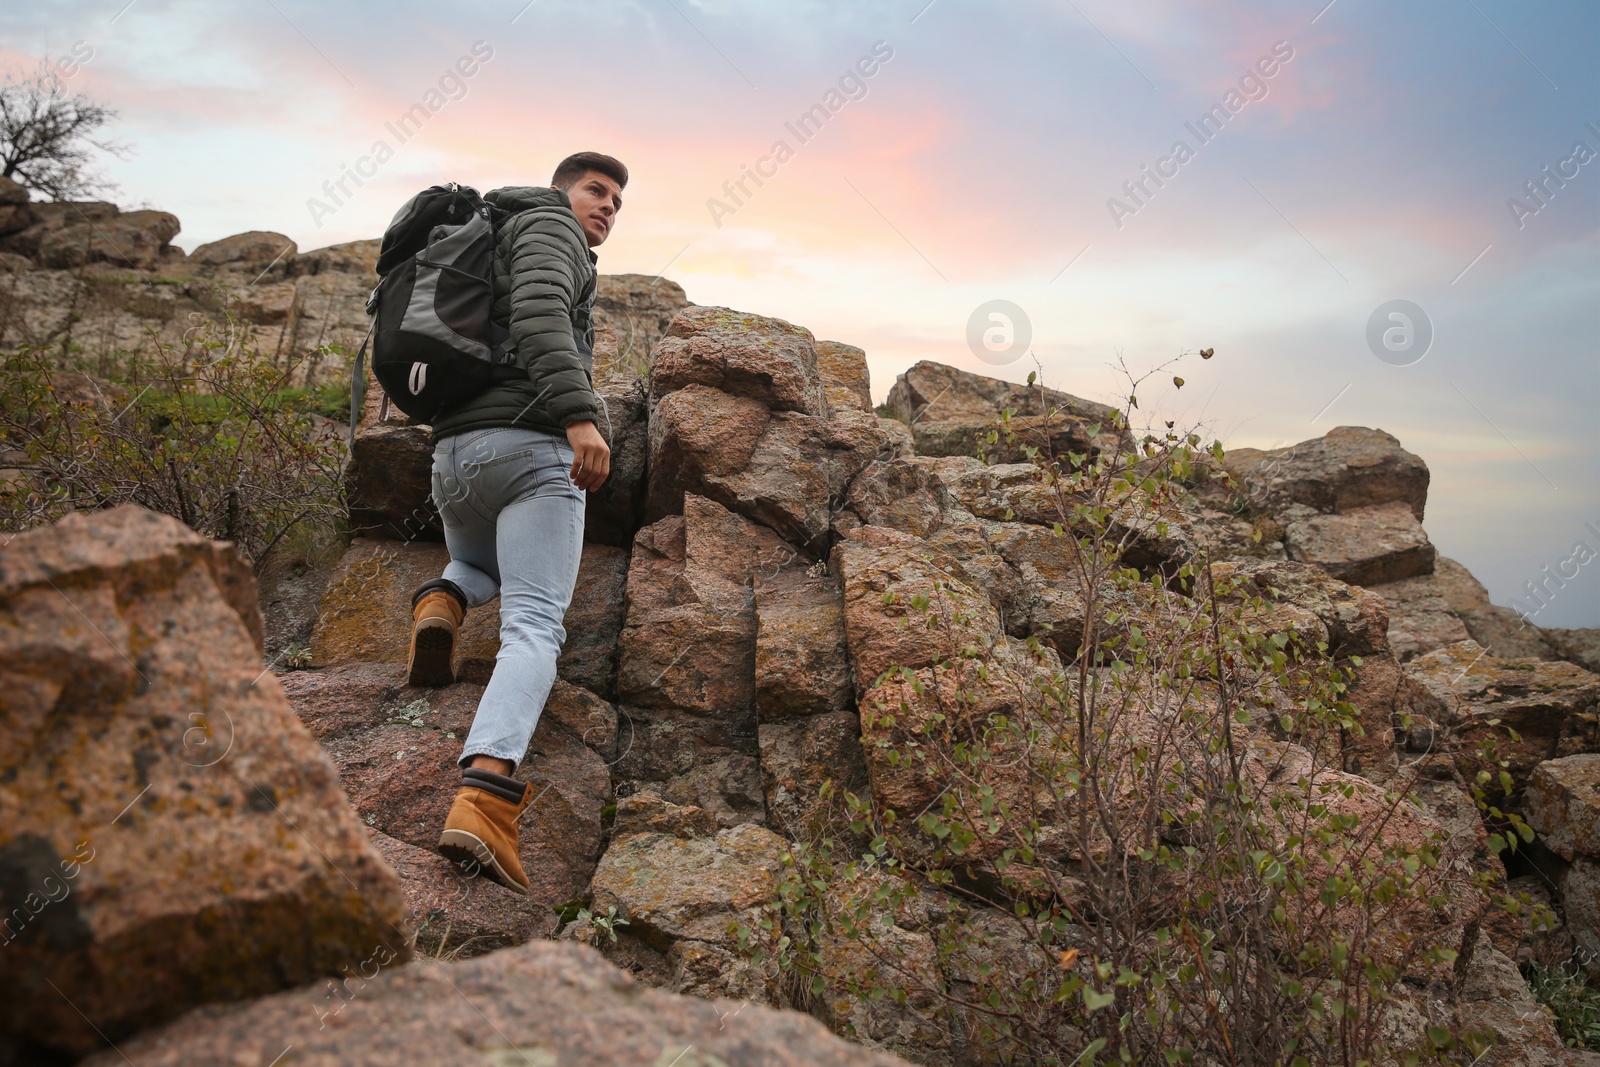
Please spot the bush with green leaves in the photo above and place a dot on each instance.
(1150, 853)
(1571, 999)
(205, 431)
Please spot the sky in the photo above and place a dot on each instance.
(1336, 157)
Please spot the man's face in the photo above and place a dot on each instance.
(596, 199)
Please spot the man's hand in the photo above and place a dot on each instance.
(591, 456)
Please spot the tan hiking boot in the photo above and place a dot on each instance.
(480, 833)
(436, 612)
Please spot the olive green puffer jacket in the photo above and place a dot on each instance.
(544, 288)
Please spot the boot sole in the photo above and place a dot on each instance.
(468, 850)
(432, 648)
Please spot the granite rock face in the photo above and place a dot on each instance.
(686, 659)
(459, 915)
(366, 613)
(396, 749)
(1552, 706)
(951, 413)
(1364, 546)
(777, 605)
(683, 896)
(1563, 804)
(739, 415)
(388, 480)
(540, 1003)
(170, 834)
(256, 250)
(1421, 618)
(133, 239)
(1351, 467)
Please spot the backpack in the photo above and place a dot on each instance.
(433, 344)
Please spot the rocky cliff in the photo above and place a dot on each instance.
(111, 281)
(744, 595)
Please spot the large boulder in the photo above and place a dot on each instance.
(614, 512)
(1495, 998)
(635, 310)
(170, 834)
(802, 662)
(1420, 616)
(1364, 546)
(1577, 646)
(781, 469)
(252, 251)
(265, 303)
(536, 1005)
(359, 258)
(457, 914)
(684, 898)
(763, 359)
(388, 476)
(686, 659)
(134, 239)
(396, 750)
(366, 610)
(884, 574)
(1355, 619)
(951, 413)
(738, 415)
(1563, 805)
(1552, 706)
(52, 216)
(1350, 467)
(1578, 885)
(846, 382)
(1503, 631)
(366, 613)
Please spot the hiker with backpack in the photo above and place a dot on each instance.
(487, 333)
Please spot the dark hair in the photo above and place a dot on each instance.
(577, 165)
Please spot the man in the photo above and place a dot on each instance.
(510, 466)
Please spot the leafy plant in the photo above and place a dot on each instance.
(1153, 852)
(606, 924)
(202, 431)
(295, 657)
(1573, 1001)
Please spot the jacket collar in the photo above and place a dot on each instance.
(511, 199)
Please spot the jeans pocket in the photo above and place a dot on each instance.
(444, 501)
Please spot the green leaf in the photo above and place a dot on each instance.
(1094, 1001)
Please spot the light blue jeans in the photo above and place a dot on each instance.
(513, 521)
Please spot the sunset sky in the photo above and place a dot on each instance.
(979, 161)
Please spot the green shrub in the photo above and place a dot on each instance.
(1152, 853)
(203, 432)
(1573, 1001)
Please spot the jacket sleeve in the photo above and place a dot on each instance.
(545, 282)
